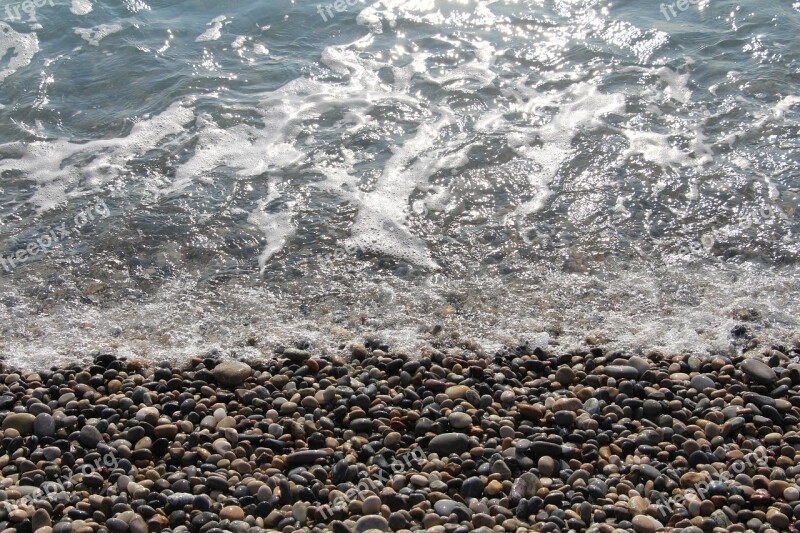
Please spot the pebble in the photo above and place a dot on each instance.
(148, 414)
(777, 519)
(295, 355)
(622, 372)
(166, 431)
(712, 430)
(371, 505)
(136, 525)
(493, 488)
(448, 443)
(445, 508)
(702, 382)
(646, 524)
(392, 439)
(452, 440)
(232, 512)
(472, 487)
(567, 404)
(40, 519)
(460, 420)
(44, 425)
(759, 371)
(546, 466)
(371, 524)
(732, 426)
(21, 422)
(456, 392)
(232, 373)
(306, 457)
(90, 436)
(565, 376)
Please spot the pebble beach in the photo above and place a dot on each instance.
(369, 439)
(372, 266)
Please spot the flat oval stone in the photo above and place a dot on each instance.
(232, 373)
(217, 483)
(621, 372)
(447, 507)
(306, 456)
(41, 519)
(180, 499)
(22, 422)
(51, 452)
(542, 448)
(639, 363)
(371, 522)
(702, 382)
(646, 524)
(115, 525)
(166, 431)
(448, 443)
(362, 425)
(435, 385)
(567, 404)
(460, 420)
(649, 471)
(758, 371)
(295, 354)
(456, 392)
(232, 512)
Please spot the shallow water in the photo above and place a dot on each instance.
(231, 176)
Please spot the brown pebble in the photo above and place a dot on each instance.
(232, 512)
(646, 524)
(494, 488)
(777, 518)
(565, 376)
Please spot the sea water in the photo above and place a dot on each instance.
(184, 178)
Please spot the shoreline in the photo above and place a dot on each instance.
(368, 439)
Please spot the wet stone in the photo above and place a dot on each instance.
(44, 425)
(21, 422)
(296, 355)
(565, 376)
(307, 456)
(448, 443)
(702, 382)
(90, 436)
(371, 524)
(472, 487)
(445, 508)
(547, 449)
(621, 372)
(232, 373)
(646, 524)
(460, 420)
(758, 371)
